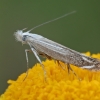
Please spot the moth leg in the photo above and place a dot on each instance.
(36, 55)
(46, 56)
(60, 64)
(69, 68)
(55, 61)
(26, 50)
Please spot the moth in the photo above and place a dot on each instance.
(40, 45)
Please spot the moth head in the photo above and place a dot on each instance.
(19, 36)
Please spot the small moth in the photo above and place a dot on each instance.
(42, 46)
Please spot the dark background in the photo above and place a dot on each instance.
(79, 31)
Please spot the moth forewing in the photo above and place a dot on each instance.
(61, 53)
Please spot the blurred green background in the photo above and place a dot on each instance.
(79, 31)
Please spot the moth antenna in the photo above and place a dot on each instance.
(52, 20)
(24, 29)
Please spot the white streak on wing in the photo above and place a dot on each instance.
(39, 37)
(86, 59)
(36, 36)
(88, 66)
(84, 55)
(51, 45)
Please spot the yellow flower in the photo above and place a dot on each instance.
(59, 85)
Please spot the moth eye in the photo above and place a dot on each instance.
(24, 37)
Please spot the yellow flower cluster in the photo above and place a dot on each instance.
(59, 85)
